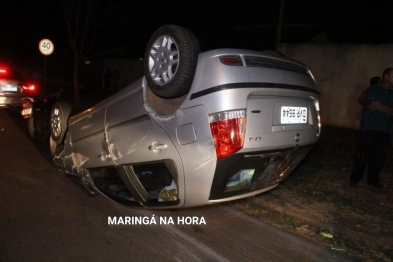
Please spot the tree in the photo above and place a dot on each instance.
(90, 21)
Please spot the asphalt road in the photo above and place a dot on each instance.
(46, 216)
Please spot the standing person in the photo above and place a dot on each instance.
(374, 80)
(376, 130)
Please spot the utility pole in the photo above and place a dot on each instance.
(280, 20)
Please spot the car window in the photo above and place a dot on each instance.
(15, 75)
(11, 75)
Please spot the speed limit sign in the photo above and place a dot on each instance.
(46, 47)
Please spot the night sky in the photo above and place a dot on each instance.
(247, 24)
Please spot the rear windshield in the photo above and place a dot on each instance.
(11, 74)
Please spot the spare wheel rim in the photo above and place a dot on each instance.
(164, 60)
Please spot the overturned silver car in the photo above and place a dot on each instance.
(198, 128)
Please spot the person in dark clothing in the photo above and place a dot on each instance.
(374, 80)
(375, 131)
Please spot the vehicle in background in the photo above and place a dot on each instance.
(198, 128)
(13, 87)
(37, 110)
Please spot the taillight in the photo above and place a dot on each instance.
(25, 104)
(231, 60)
(29, 87)
(228, 130)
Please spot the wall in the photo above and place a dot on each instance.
(128, 71)
(342, 72)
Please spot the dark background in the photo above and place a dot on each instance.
(245, 24)
(217, 24)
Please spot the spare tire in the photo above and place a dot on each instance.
(59, 115)
(170, 61)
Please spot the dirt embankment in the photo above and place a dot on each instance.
(317, 202)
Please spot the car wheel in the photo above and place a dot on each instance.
(38, 128)
(58, 120)
(170, 61)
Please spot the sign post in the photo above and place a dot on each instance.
(46, 48)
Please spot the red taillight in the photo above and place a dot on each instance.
(3, 71)
(228, 130)
(30, 87)
(231, 60)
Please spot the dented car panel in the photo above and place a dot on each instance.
(239, 131)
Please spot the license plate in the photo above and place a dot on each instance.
(293, 115)
(9, 88)
(26, 111)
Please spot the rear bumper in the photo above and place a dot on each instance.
(6, 101)
(244, 174)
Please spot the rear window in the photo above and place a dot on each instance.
(254, 61)
(10, 74)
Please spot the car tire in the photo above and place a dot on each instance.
(38, 128)
(59, 120)
(170, 61)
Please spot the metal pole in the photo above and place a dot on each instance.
(44, 77)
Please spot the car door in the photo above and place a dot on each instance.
(88, 139)
(145, 156)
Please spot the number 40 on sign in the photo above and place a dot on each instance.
(46, 47)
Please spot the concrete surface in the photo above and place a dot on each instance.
(342, 72)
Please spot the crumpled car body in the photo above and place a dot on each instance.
(247, 121)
